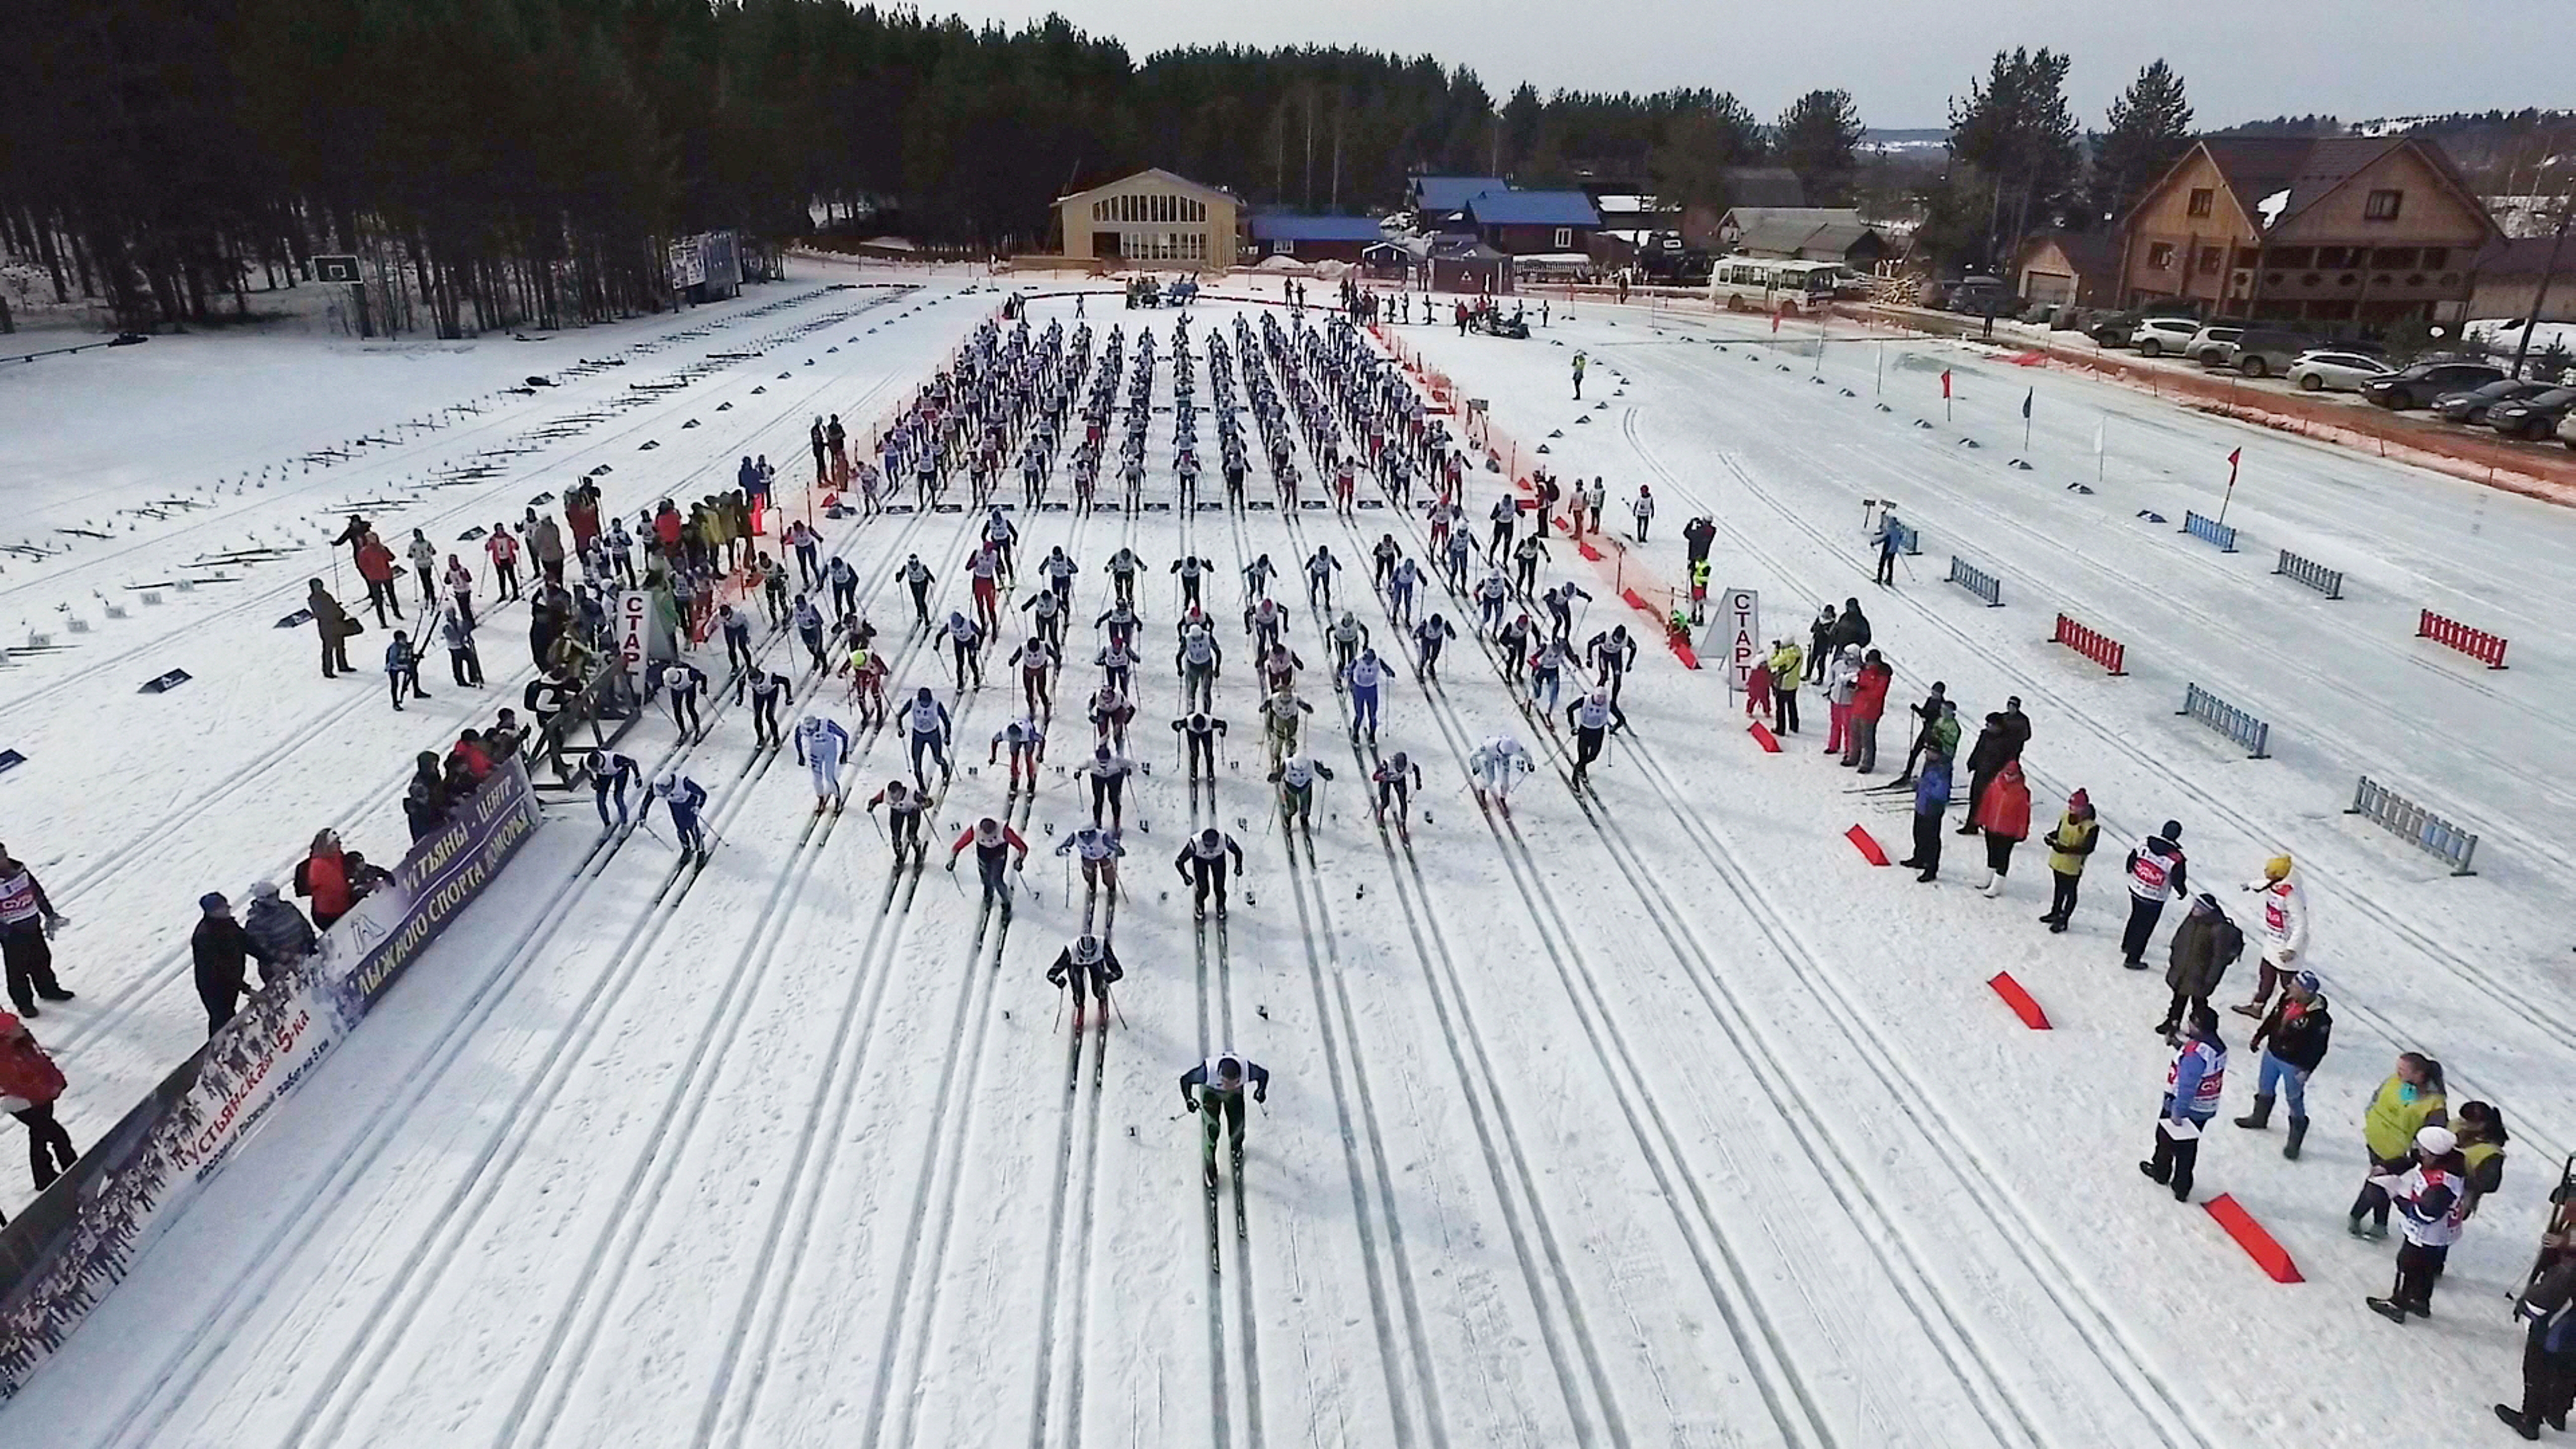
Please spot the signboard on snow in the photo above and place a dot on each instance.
(335, 269)
(1735, 635)
(688, 263)
(633, 624)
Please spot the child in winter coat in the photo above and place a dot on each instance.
(2076, 834)
(2430, 1192)
(2003, 813)
(402, 667)
(1757, 689)
(29, 1085)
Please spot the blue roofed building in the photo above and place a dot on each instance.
(1313, 238)
(1534, 223)
(1435, 199)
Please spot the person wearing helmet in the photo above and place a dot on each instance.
(1090, 966)
(2431, 1195)
(1593, 718)
(2194, 1083)
(1099, 851)
(927, 723)
(687, 800)
(1361, 677)
(1495, 767)
(609, 773)
(1107, 772)
(1199, 731)
(1296, 776)
(916, 576)
(994, 844)
(1201, 862)
(821, 745)
(966, 643)
(1215, 1088)
(222, 951)
(1028, 747)
(904, 808)
(1396, 779)
(2284, 922)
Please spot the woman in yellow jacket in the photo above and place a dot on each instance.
(1786, 661)
(2408, 1102)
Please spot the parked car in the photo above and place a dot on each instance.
(2156, 336)
(2120, 329)
(2417, 386)
(2269, 351)
(2471, 405)
(2567, 428)
(1979, 295)
(2534, 417)
(2326, 370)
(2214, 345)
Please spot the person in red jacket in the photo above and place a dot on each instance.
(29, 1083)
(667, 524)
(503, 547)
(376, 566)
(1869, 701)
(324, 876)
(2003, 813)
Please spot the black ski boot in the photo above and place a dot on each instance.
(2261, 1116)
(2298, 1135)
(2514, 1420)
(2388, 1308)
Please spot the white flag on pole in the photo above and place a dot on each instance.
(2100, 426)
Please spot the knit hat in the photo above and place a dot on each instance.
(2277, 868)
(2172, 831)
(2436, 1140)
(213, 901)
(265, 890)
(2079, 803)
(2307, 982)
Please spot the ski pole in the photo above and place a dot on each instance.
(1114, 1006)
(1059, 1011)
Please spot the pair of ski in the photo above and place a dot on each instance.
(1242, 1233)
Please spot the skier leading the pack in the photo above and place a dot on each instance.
(821, 745)
(1202, 862)
(1593, 719)
(1216, 1086)
(1087, 965)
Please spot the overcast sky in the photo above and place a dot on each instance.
(1902, 59)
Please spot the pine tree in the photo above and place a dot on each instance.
(1818, 137)
(2014, 126)
(2149, 127)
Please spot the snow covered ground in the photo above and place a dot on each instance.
(1653, 1119)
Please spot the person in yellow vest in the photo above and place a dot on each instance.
(2409, 1101)
(2480, 1128)
(2069, 846)
(1786, 661)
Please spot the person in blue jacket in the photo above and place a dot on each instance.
(686, 798)
(2193, 1085)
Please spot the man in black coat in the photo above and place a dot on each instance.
(223, 952)
(1850, 627)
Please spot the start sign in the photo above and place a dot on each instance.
(1737, 631)
(632, 626)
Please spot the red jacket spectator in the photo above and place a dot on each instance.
(1869, 692)
(26, 1073)
(375, 561)
(324, 876)
(503, 547)
(2004, 809)
(666, 527)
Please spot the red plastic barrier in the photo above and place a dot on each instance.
(1762, 736)
(1864, 842)
(1682, 650)
(2102, 649)
(1590, 554)
(2023, 1004)
(2478, 644)
(2261, 1246)
(1634, 602)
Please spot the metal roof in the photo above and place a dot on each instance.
(1449, 193)
(1286, 226)
(1533, 208)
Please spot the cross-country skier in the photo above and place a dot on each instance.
(1319, 577)
(1400, 588)
(1266, 622)
(1121, 620)
(1198, 736)
(1198, 659)
(1547, 668)
(1428, 636)
(682, 682)
(1396, 779)
(821, 745)
(916, 576)
(1560, 608)
(966, 641)
(1122, 567)
(1348, 636)
(994, 843)
(1117, 661)
(1593, 720)
(1295, 776)
(1280, 721)
(1493, 595)
(1382, 559)
(1087, 965)
(1201, 862)
(1496, 766)
(1611, 654)
(1046, 611)
(1527, 555)
(904, 808)
(608, 774)
(1099, 851)
(1108, 774)
(1505, 513)
(1028, 748)
(926, 721)
(686, 799)
(1110, 711)
(809, 630)
(845, 586)
(1190, 568)
(1215, 1087)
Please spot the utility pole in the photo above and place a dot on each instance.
(1310, 148)
(2540, 293)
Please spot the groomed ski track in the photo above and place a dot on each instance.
(1639, 1115)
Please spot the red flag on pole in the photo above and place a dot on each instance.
(1945, 384)
(2234, 456)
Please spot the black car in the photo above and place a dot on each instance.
(2533, 418)
(2417, 386)
(2471, 406)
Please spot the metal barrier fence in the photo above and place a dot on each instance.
(2317, 576)
(2478, 644)
(1907, 538)
(2211, 530)
(2102, 649)
(1977, 581)
(2228, 720)
(2414, 824)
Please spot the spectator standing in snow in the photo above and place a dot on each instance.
(334, 626)
(1869, 701)
(424, 567)
(27, 922)
(2480, 1128)
(2004, 815)
(2193, 1085)
(2204, 946)
(1850, 627)
(2293, 1039)
(2411, 1100)
(2284, 922)
(1985, 760)
(1842, 682)
(1784, 686)
(2156, 875)
(1820, 643)
(2429, 1193)
(2548, 1353)
(30, 1084)
(284, 936)
(222, 952)
(2069, 845)
(1931, 800)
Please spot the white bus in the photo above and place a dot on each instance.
(1776, 284)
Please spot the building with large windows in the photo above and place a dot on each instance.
(1150, 219)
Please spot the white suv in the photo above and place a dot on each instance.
(2157, 336)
